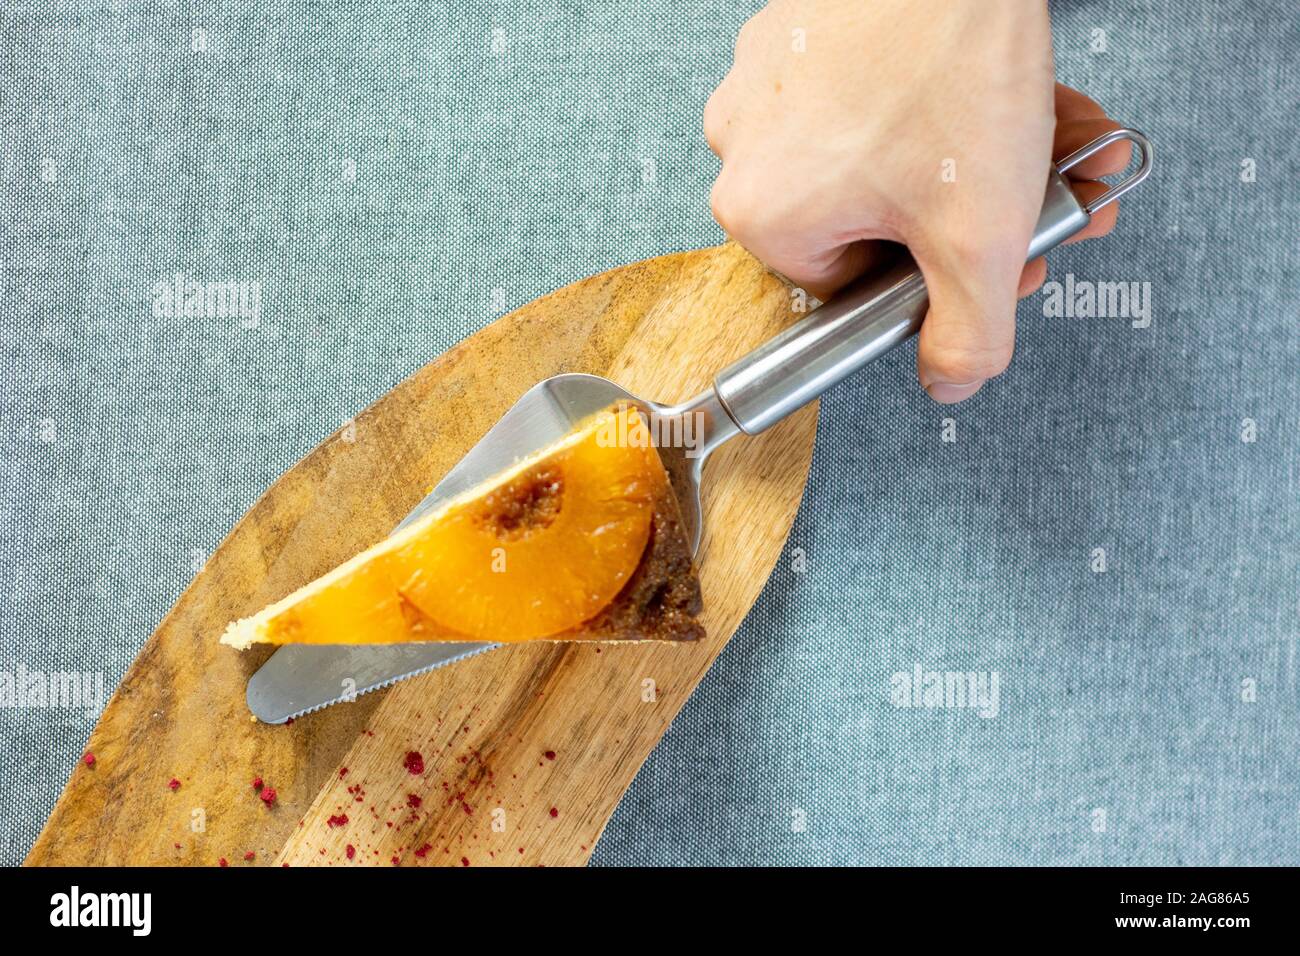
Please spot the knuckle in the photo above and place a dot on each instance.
(714, 121)
(747, 35)
(981, 238)
(723, 204)
(967, 362)
(732, 203)
(980, 253)
(741, 205)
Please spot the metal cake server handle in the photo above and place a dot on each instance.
(874, 314)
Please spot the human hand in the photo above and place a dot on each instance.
(932, 123)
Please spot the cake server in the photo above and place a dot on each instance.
(863, 321)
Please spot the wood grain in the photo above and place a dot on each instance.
(527, 749)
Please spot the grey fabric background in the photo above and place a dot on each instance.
(136, 148)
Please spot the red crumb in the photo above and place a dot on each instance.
(284, 866)
(174, 784)
(550, 755)
(257, 783)
(222, 862)
(414, 763)
(337, 821)
(521, 849)
(268, 795)
(250, 855)
(464, 861)
(343, 772)
(413, 801)
(396, 862)
(89, 759)
(554, 812)
(289, 721)
(177, 845)
(351, 851)
(423, 851)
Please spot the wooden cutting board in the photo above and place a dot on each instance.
(526, 750)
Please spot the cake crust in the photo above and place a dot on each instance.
(662, 599)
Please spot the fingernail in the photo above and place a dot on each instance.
(948, 392)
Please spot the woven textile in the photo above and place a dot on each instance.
(373, 181)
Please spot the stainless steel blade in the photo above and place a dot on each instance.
(298, 679)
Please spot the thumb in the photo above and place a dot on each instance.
(972, 276)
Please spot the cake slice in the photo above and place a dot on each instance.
(581, 541)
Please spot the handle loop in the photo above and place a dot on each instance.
(1097, 145)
